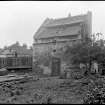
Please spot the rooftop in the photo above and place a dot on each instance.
(67, 20)
(56, 27)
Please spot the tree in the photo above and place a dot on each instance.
(25, 45)
(85, 51)
(5, 47)
(17, 43)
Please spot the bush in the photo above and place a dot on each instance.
(95, 93)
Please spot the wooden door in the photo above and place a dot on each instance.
(55, 66)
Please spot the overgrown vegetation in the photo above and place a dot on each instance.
(85, 51)
(95, 93)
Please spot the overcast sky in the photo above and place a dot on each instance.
(19, 20)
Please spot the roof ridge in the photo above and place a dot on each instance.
(69, 17)
(45, 28)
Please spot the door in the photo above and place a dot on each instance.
(55, 66)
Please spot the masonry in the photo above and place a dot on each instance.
(63, 31)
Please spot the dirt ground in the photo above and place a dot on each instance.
(43, 91)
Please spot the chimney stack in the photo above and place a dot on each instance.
(69, 15)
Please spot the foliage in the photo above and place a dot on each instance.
(95, 93)
(25, 45)
(85, 51)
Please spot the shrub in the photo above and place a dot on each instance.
(95, 93)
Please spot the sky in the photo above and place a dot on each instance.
(19, 20)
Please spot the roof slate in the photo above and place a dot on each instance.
(46, 33)
(47, 28)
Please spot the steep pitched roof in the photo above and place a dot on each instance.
(61, 32)
(47, 28)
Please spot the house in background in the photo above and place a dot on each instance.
(7, 53)
(16, 50)
(55, 34)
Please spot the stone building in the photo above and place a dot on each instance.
(57, 33)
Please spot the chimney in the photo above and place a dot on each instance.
(69, 15)
(89, 22)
